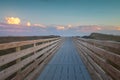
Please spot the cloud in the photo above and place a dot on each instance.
(65, 30)
(28, 24)
(69, 26)
(118, 28)
(13, 20)
(40, 25)
(89, 28)
(60, 27)
(64, 27)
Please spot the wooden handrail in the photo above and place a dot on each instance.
(13, 56)
(22, 43)
(101, 63)
(22, 57)
(112, 44)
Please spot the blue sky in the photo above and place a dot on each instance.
(63, 12)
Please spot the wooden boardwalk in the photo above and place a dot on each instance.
(46, 59)
(66, 64)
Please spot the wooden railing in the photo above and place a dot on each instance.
(112, 46)
(101, 63)
(25, 59)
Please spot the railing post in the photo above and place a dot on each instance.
(19, 77)
(35, 60)
(34, 45)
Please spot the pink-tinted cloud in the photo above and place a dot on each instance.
(28, 24)
(39, 25)
(60, 27)
(40, 29)
(90, 28)
(117, 28)
(69, 26)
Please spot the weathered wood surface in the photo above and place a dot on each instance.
(65, 65)
(32, 62)
(13, 56)
(112, 44)
(21, 43)
(100, 62)
(48, 56)
(25, 60)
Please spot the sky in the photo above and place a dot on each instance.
(59, 17)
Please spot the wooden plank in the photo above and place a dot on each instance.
(12, 69)
(46, 54)
(36, 71)
(104, 54)
(83, 68)
(50, 74)
(45, 72)
(71, 74)
(13, 56)
(58, 73)
(31, 75)
(91, 69)
(78, 72)
(39, 60)
(64, 73)
(94, 69)
(7, 72)
(107, 67)
(27, 70)
(21, 43)
(94, 65)
(67, 64)
(111, 44)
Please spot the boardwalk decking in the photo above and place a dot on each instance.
(65, 65)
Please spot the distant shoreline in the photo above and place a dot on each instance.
(100, 36)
